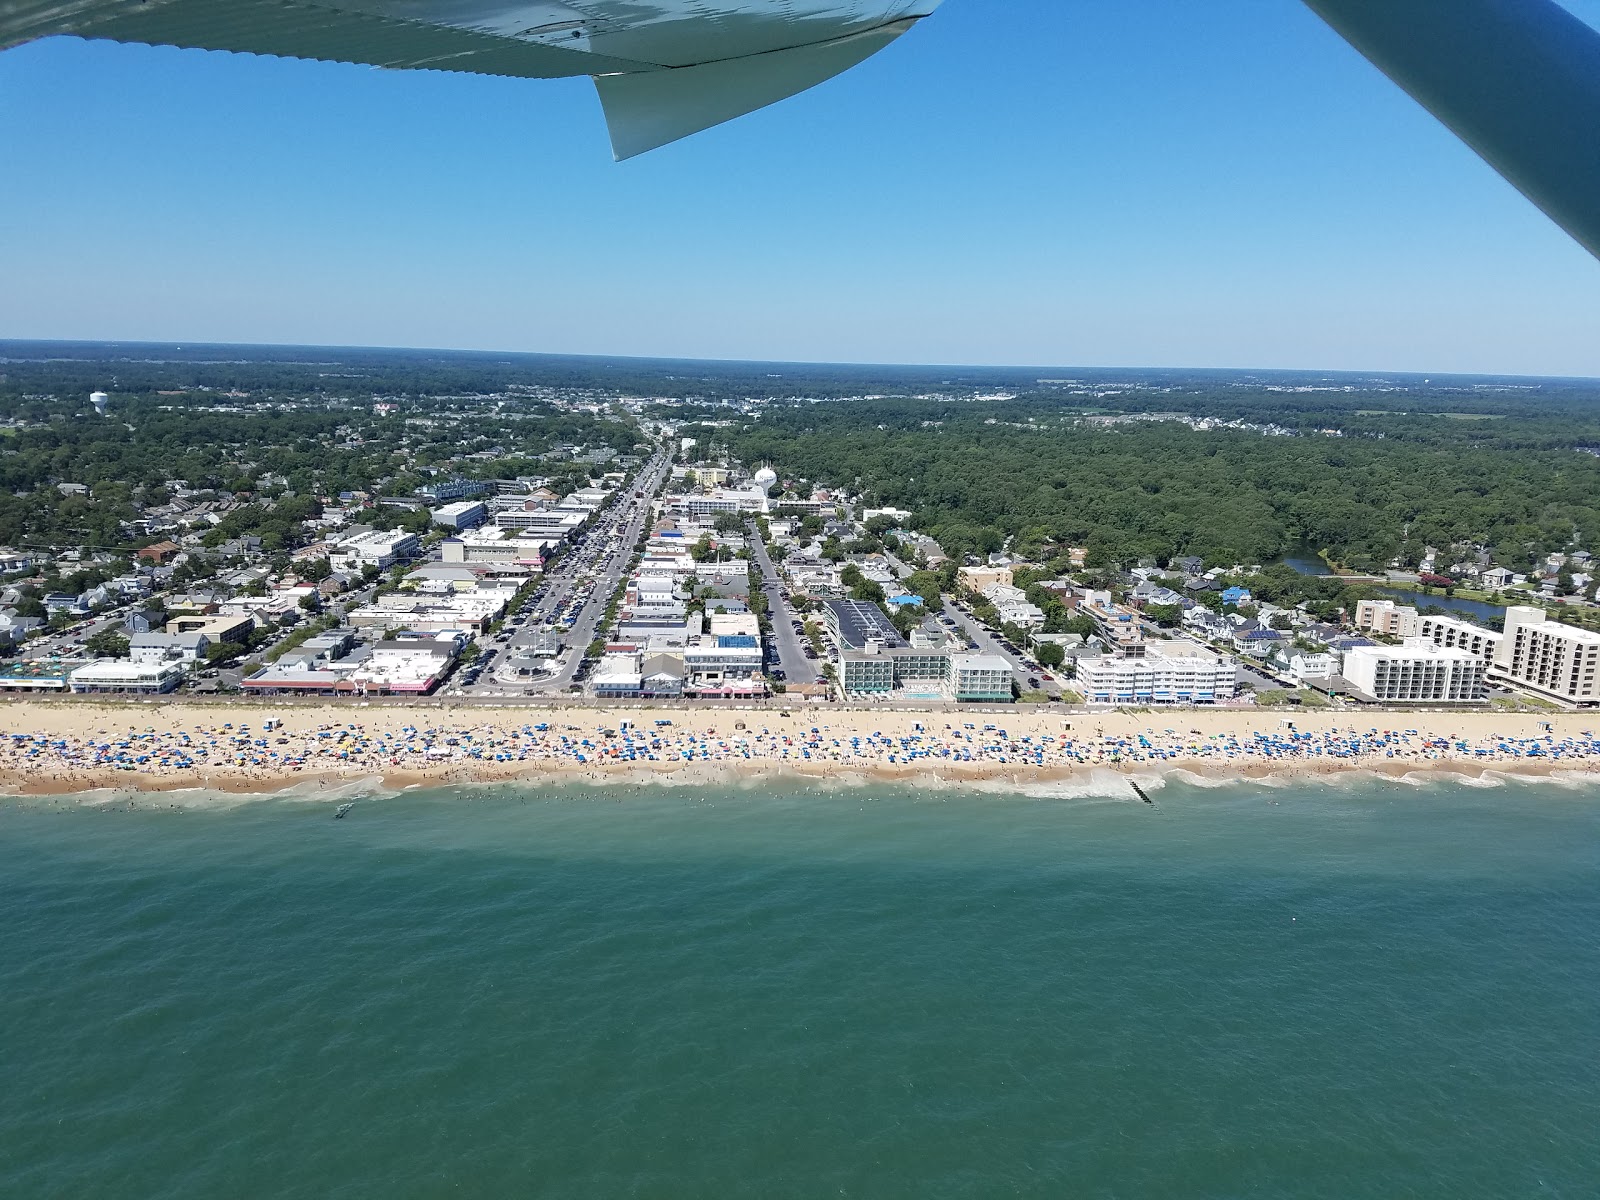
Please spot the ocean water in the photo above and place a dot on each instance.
(1362, 990)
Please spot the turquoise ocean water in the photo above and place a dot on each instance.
(1363, 990)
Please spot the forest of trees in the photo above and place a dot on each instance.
(1036, 472)
(126, 457)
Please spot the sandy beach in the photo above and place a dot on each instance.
(61, 748)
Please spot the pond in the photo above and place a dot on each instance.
(1307, 561)
(1475, 610)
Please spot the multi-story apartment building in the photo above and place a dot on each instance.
(980, 678)
(874, 660)
(1388, 618)
(1164, 673)
(1417, 672)
(1558, 662)
(1461, 635)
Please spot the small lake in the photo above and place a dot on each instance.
(1475, 609)
(1306, 561)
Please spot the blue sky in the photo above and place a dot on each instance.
(1063, 182)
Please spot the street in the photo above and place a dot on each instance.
(792, 660)
(590, 572)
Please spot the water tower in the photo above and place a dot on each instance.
(765, 479)
(99, 400)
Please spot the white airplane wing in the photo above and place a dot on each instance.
(664, 68)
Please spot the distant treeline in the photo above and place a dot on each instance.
(1034, 470)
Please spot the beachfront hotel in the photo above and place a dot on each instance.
(1461, 635)
(876, 661)
(1161, 673)
(1541, 655)
(1418, 672)
(1388, 618)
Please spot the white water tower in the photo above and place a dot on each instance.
(765, 479)
(99, 400)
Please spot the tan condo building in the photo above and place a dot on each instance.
(1558, 662)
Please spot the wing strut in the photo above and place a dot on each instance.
(1517, 80)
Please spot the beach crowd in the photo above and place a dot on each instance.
(215, 752)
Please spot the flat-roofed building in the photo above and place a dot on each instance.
(1417, 672)
(462, 514)
(874, 660)
(125, 675)
(980, 679)
(1461, 635)
(1388, 618)
(980, 579)
(1555, 661)
(494, 547)
(1166, 673)
(378, 548)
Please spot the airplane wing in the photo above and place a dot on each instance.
(664, 68)
(1517, 80)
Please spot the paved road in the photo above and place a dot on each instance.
(791, 646)
(988, 643)
(597, 561)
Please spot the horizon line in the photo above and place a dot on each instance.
(778, 362)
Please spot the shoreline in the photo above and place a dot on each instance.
(132, 748)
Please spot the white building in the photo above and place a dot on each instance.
(1462, 635)
(150, 649)
(980, 678)
(125, 675)
(1312, 664)
(495, 547)
(1552, 660)
(375, 548)
(1166, 673)
(463, 514)
(1417, 672)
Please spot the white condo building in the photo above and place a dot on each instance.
(1166, 673)
(1417, 672)
(1461, 635)
(1556, 661)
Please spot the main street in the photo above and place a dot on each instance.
(592, 570)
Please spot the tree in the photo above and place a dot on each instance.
(1050, 654)
(1167, 616)
(314, 570)
(218, 651)
(108, 643)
